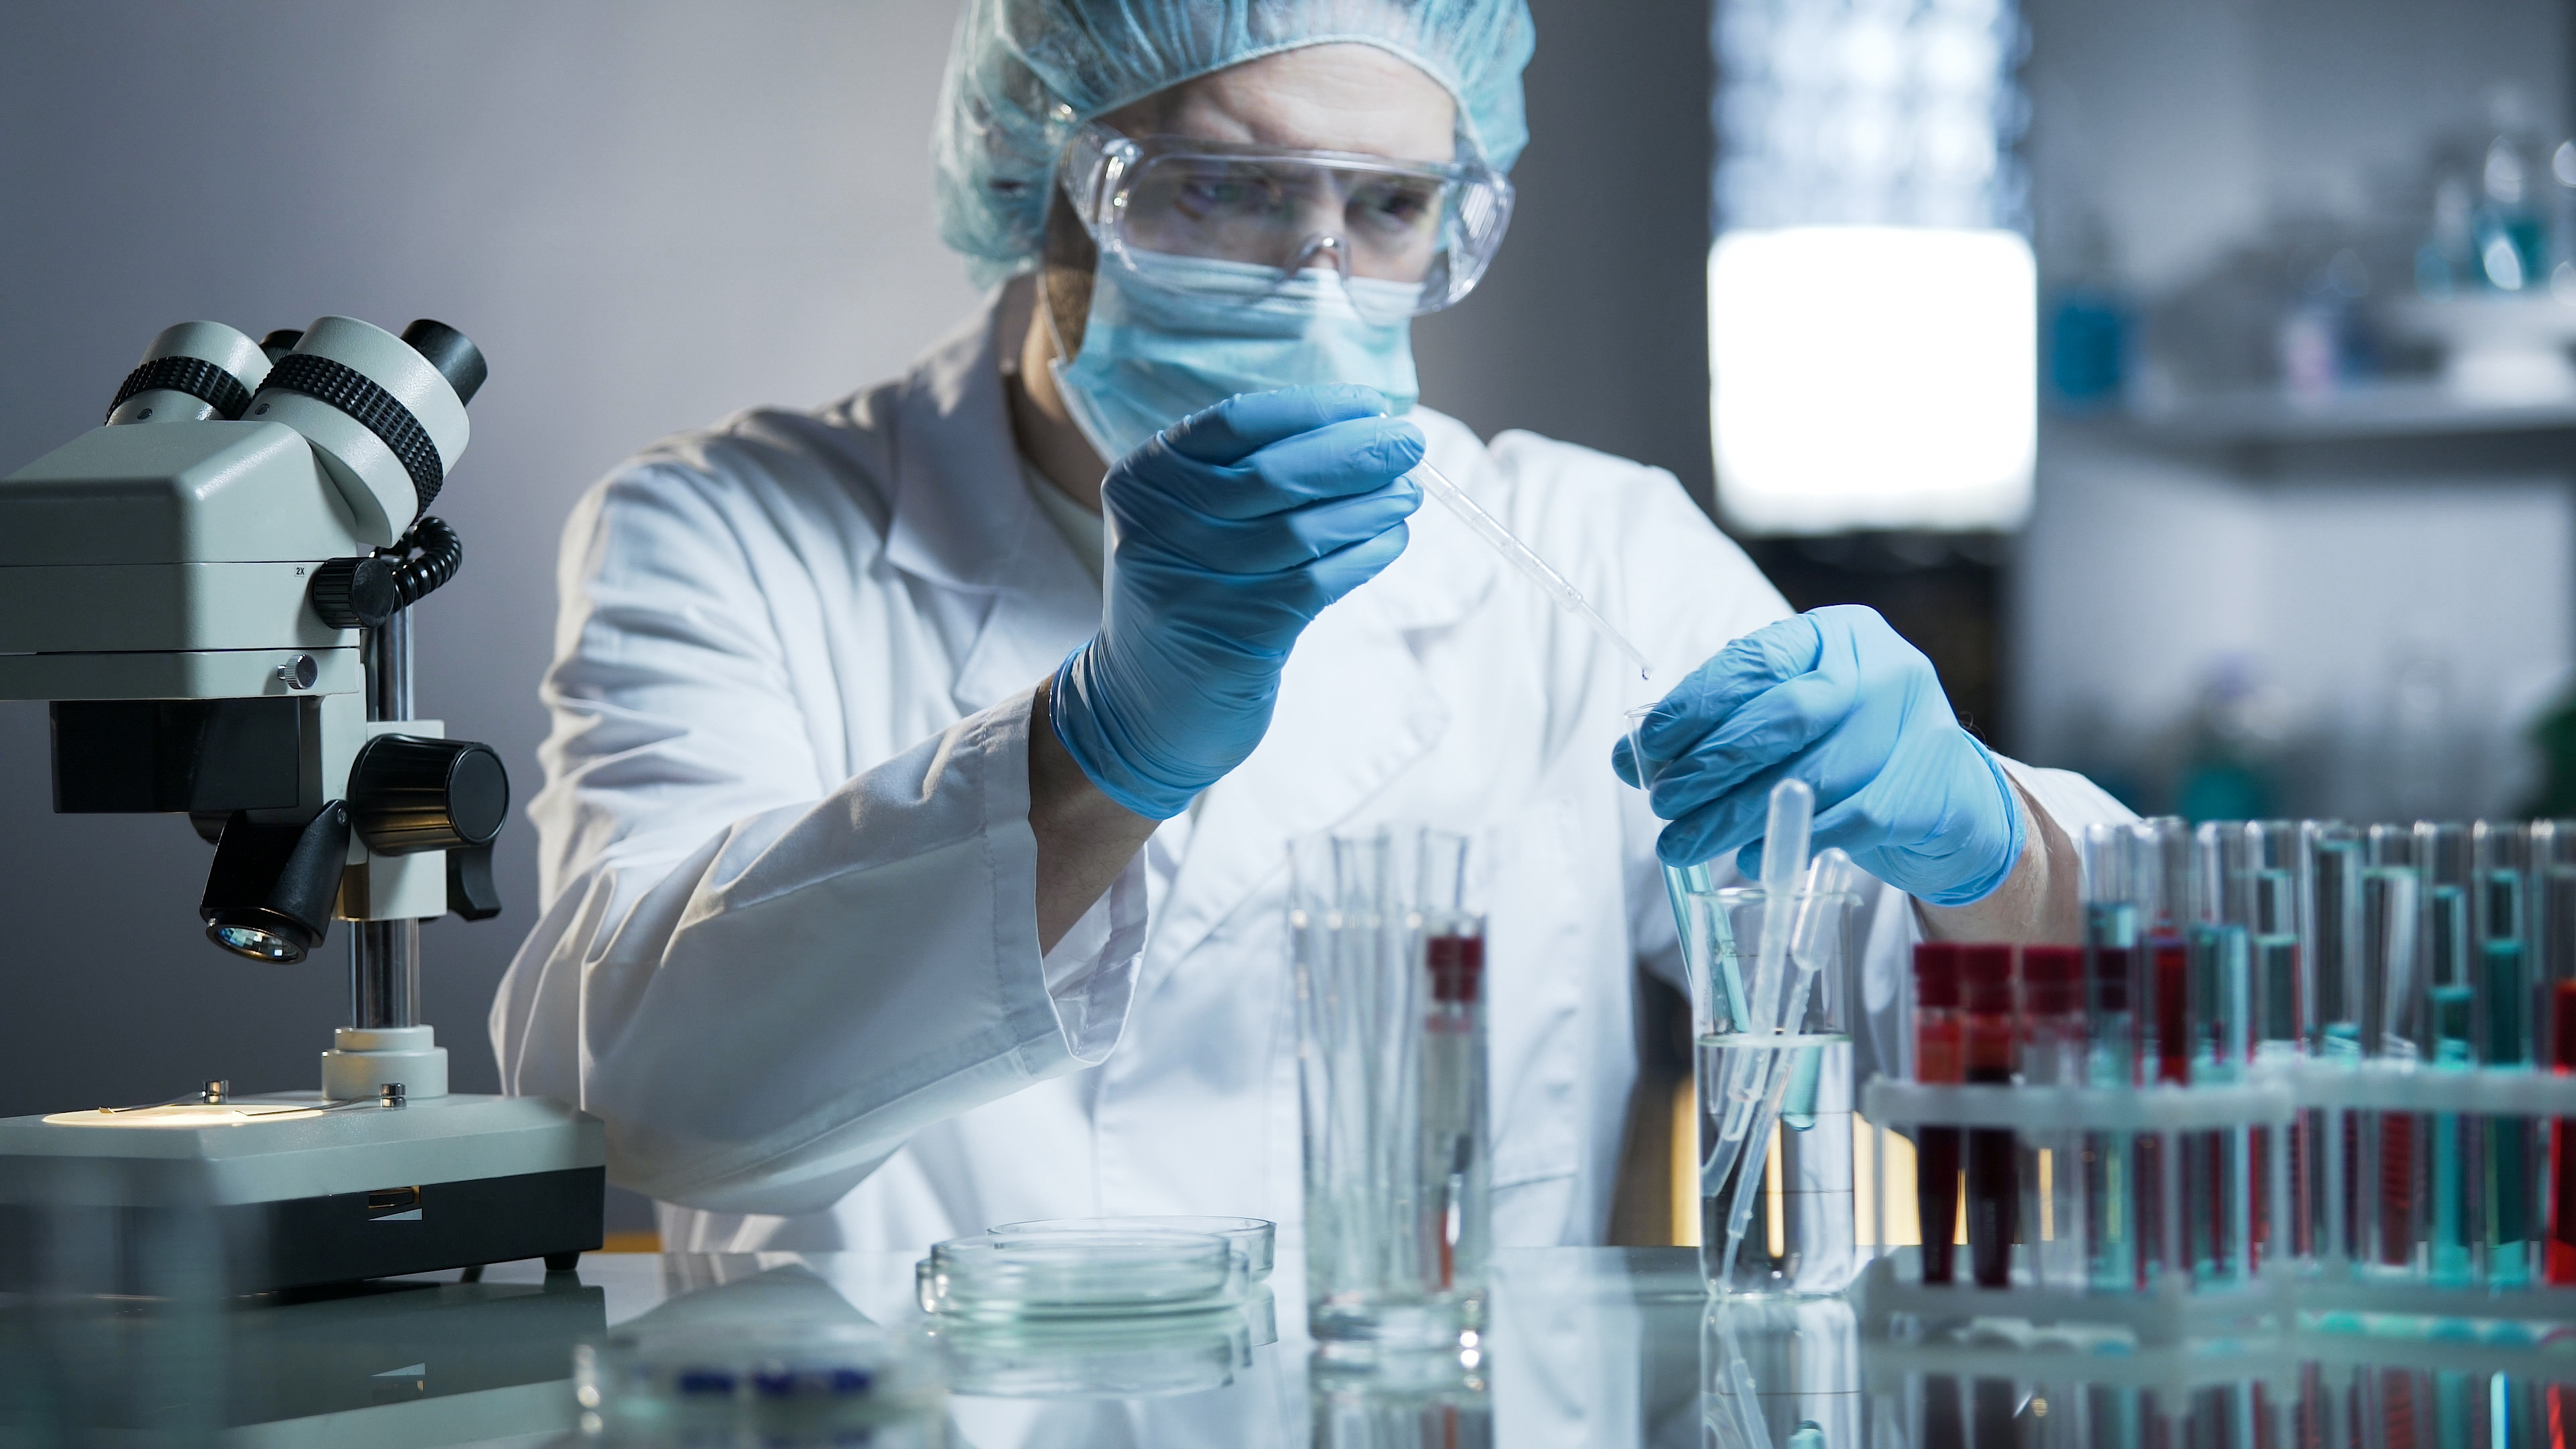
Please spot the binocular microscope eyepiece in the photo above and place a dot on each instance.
(310, 801)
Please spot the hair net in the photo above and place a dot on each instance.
(1024, 73)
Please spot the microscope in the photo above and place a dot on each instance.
(211, 592)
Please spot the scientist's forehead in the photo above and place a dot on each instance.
(1322, 97)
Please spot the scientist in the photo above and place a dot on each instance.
(923, 767)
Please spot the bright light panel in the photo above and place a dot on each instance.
(1873, 377)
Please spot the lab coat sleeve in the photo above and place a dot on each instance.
(1890, 927)
(760, 981)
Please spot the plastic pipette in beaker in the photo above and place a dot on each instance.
(1518, 555)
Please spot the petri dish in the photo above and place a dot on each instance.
(1101, 1358)
(1096, 1273)
(1255, 1238)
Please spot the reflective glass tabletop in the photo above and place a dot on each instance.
(1582, 1347)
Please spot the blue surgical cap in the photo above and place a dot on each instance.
(1023, 74)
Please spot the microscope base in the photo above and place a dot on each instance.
(297, 1201)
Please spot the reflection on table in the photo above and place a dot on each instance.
(1585, 1347)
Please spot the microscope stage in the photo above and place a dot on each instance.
(297, 1198)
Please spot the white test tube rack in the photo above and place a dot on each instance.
(2178, 1305)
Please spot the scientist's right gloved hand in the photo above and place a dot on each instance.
(1228, 533)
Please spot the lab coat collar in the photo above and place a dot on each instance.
(963, 518)
(962, 514)
(1356, 709)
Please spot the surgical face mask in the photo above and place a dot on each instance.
(1170, 335)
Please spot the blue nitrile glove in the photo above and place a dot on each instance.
(1228, 533)
(1838, 699)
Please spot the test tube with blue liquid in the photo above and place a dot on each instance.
(2111, 949)
(2504, 1009)
(2165, 912)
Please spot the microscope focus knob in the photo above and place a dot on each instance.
(409, 794)
(354, 593)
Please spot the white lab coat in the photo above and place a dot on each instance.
(788, 948)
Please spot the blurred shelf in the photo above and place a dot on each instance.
(2408, 430)
(2409, 409)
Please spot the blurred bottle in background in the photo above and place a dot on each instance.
(2562, 221)
(2232, 745)
(2088, 323)
(2324, 339)
(2447, 262)
(2510, 227)
(2424, 769)
(2498, 222)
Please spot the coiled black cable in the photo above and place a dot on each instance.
(428, 557)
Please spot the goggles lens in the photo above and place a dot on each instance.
(1428, 229)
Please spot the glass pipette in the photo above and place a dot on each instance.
(1518, 555)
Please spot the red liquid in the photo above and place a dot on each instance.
(2258, 1167)
(1936, 1201)
(2397, 1408)
(2171, 962)
(2169, 983)
(1939, 1057)
(1457, 967)
(2558, 1263)
(2396, 1189)
(1994, 1159)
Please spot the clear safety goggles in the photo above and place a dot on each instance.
(1422, 232)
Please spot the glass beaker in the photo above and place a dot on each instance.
(1389, 968)
(1775, 1093)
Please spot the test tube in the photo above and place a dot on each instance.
(2553, 950)
(1455, 1170)
(2053, 1055)
(2330, 949)
(2215, 1166)
(2111, 951)
(2503, 1012)
(2165, 889)
(2450, 1238)
(1939, 1059)
(2394, 929)
(1994, 1193)
(2559, 1265)
(2256, 886)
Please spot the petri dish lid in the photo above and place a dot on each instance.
(1255, 1238)
(1081, 1274)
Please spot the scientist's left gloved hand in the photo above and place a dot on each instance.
(1838, 699)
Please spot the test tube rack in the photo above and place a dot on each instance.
(2172, 1307)
(2297, 1067)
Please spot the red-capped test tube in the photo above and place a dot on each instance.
(2053, 1051)
(1986, 998)
(2559, 1265)
(1939, 1059)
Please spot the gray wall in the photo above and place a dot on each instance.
(648, 214)
(1593, 324)
(2344, 582)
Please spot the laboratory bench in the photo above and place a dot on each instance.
(1582, 1346)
